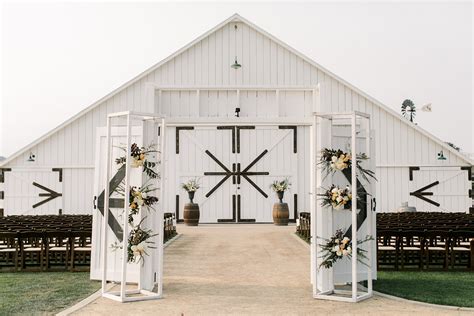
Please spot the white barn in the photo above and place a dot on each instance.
(276, 89)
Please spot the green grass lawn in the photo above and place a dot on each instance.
(445, 288)
(43, 293)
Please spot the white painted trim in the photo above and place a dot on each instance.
(117, 90)
(26, 168)
(355, 89)
(438, 167)
(237, 18)
(232, 121)
(231, 88)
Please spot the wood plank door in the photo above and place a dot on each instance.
(207, 154)
(33, 191)
(265, 154)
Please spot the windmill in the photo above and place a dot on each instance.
(408, 109)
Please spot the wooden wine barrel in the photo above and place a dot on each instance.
(191, 214)
(281, 214)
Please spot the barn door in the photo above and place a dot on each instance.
(440, 189)
(265, 154)
(235, 166)
(118, 139)
(33, 191)
(206, 153)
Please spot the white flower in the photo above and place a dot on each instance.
(336, 241)
(345, 240)
(339, 199)
(138, 200)
(333, 158)
(335, 190)
(339, 253)
(349, 250)
(345, 252)
(335, 249)
(144, 195)
(136, 163)
(138, 250)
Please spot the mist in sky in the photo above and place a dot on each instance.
(58, 58)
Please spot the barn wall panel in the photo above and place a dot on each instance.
(264, 63)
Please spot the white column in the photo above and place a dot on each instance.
(354, 206)
(125, 209)
(105, 223)
(313, 201)
(161, 205)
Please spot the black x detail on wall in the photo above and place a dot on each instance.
(236, 173)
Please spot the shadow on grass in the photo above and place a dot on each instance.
(445, 288)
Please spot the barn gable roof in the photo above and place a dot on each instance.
(234, 18)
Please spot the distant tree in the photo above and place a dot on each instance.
(453, 146)
(408, 110)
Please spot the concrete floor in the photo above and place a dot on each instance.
(244, 270)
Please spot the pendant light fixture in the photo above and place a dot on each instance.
(236, 64)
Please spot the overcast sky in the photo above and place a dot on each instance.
(58, 58)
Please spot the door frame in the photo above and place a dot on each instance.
(191, 123)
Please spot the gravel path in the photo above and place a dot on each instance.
(245, 270)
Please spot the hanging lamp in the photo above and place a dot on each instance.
(236, 64)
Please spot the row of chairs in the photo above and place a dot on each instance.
(418, 240)
(303, 226)
(428, 249)
(47, 250)
(52, 242)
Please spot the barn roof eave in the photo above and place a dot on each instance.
(237, 18)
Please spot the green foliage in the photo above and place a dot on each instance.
(445, 288)
(191, 186)
(281, 186)
(45, 293)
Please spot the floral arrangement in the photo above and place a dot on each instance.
(280, 186)
(337, 197)
(333, 160)
(138, 197)
(339, 246)
(138, 243)
(190, 186)
(139, 155)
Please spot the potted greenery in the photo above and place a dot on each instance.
(191, 212)
(281, 213)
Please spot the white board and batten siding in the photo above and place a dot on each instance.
(198, 83)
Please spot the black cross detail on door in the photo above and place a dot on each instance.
(421, 193)
(51, 195)
(236, 173)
